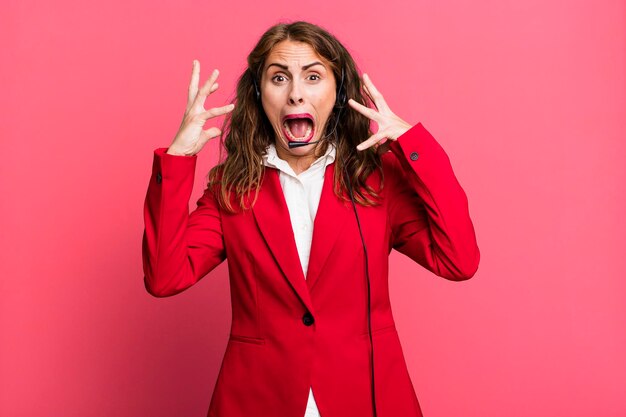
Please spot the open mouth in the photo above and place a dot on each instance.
(298, 127)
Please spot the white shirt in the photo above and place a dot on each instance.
(302, 194)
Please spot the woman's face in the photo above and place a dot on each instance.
(297, 85)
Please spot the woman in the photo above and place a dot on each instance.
(312, 330)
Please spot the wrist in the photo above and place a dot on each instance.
(172, 151)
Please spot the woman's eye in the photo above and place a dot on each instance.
(282, 77)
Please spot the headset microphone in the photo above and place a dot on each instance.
(294, 144)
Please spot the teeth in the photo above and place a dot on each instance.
(306, 135)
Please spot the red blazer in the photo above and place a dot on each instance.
(288, 332)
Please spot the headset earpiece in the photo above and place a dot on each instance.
(341, 92)
(256, 88)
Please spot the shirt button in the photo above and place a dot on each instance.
(158, 178)
(414, 156)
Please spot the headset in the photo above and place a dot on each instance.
(340, 103)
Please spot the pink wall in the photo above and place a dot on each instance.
(528, 98)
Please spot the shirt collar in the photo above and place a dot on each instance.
(272, 159)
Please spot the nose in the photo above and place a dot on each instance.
(295, 95)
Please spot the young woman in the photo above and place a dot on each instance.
(306, 207)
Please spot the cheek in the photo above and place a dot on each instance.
(326, 104)
(271, 110)
(329, 100)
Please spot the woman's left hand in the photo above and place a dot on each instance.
(390, 126)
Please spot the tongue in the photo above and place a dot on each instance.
(298, 127)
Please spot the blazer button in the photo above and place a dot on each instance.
(414, 156)
(158, 178)
(307, 319)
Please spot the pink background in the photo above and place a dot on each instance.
(527, 97)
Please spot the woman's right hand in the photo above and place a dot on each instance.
(191, 138)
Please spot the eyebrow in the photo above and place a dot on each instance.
(286, 68)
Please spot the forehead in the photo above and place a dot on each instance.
(294, 54)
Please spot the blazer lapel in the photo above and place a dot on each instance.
(330, 219)
(272, 216)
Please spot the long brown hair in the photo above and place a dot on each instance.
(248, 132)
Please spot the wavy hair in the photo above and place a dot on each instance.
(247, 131)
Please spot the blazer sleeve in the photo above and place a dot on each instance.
(428, 210)
(178, 248)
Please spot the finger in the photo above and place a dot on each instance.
(206, 88)
(213, 88)
(208, 84)
(377, 144)
(373, 92)
(366, 111)
(193, 84)
(375, 138)
(191, 103)
(369, 95)
(209, 133)
(217, 111)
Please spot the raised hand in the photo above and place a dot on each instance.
(390, 126)
(191, 138)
